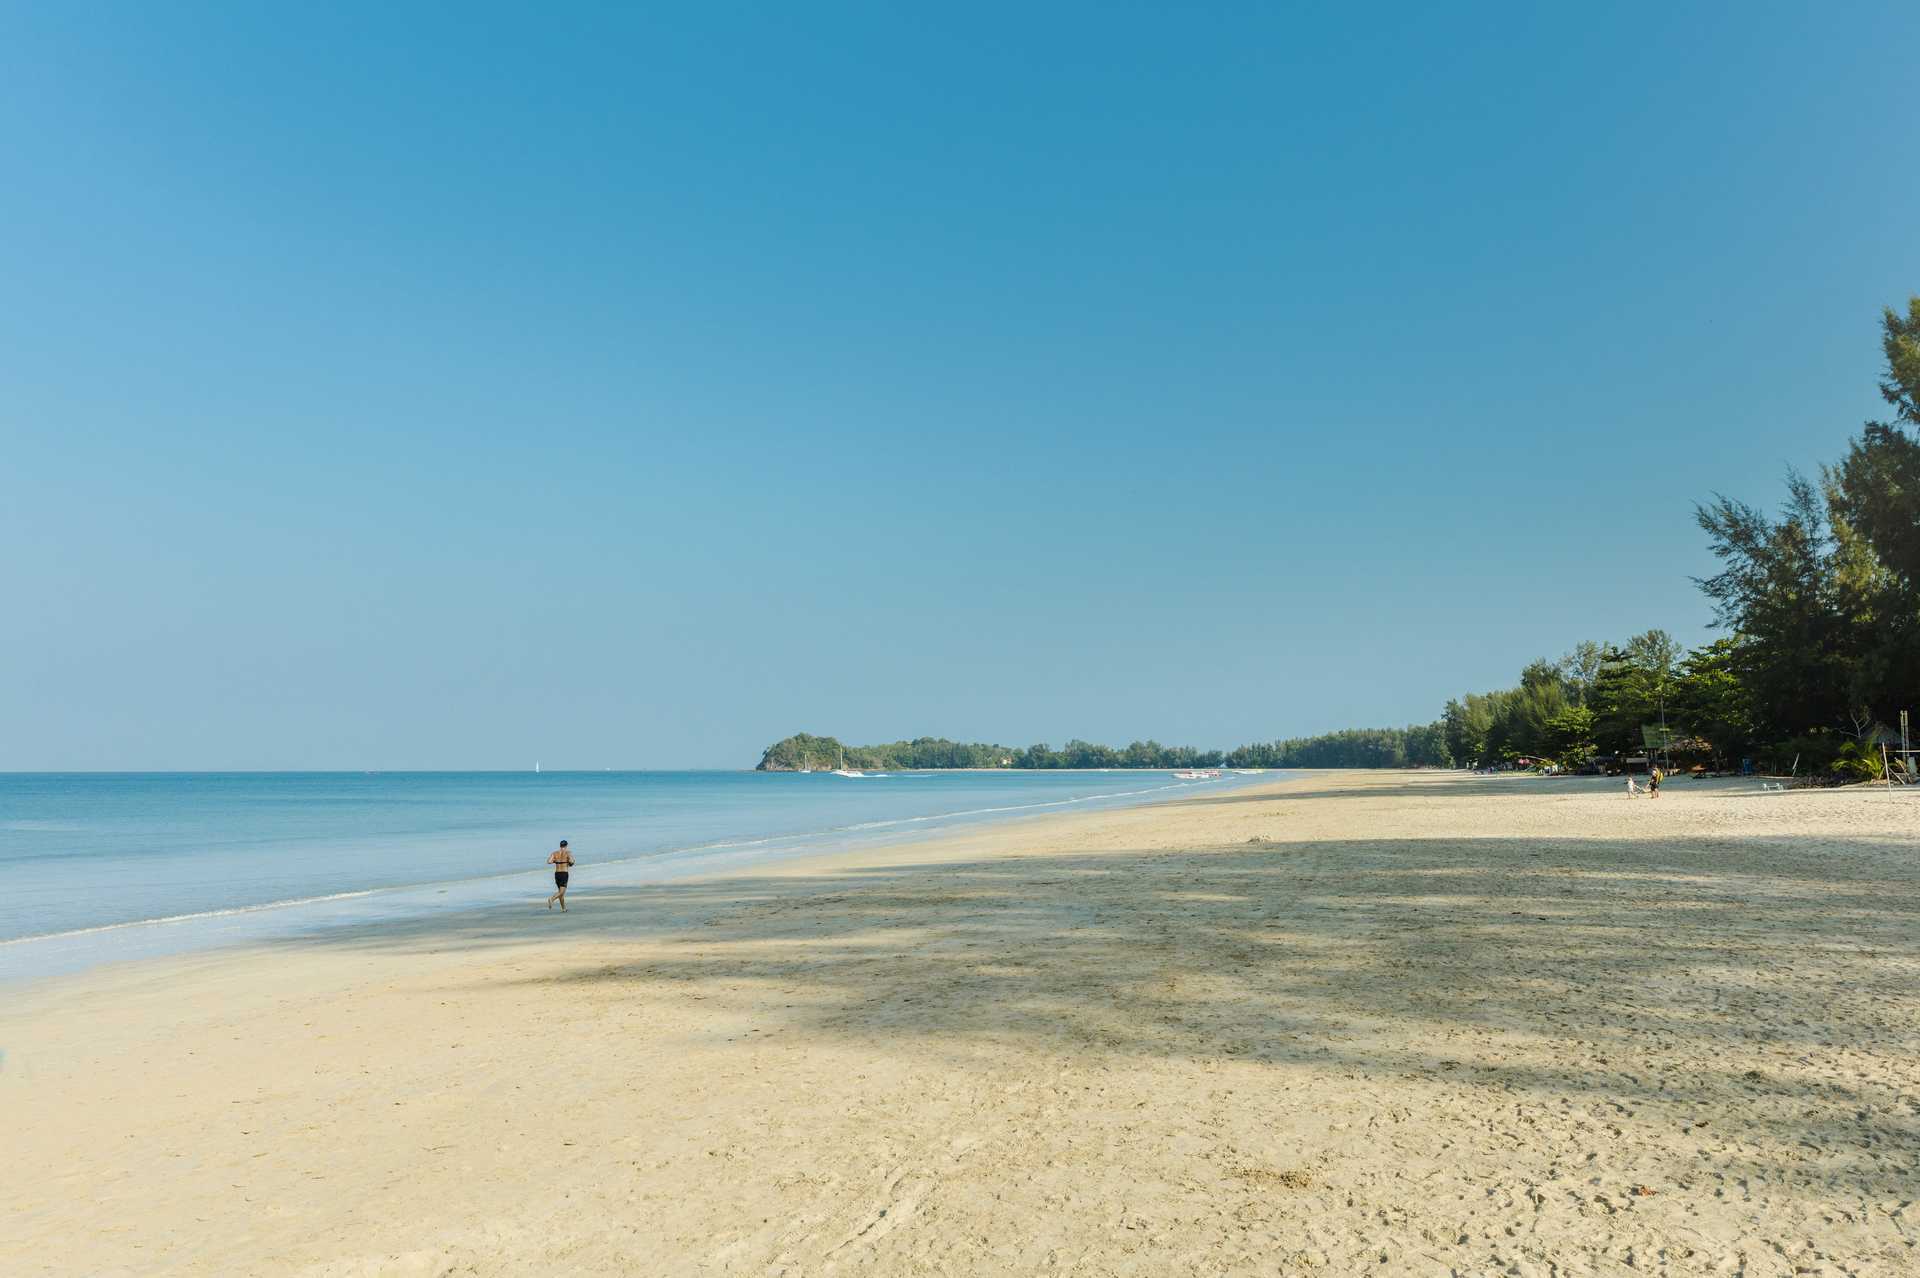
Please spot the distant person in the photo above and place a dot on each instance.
(1633, 790)
(562, 861)
(1653, 783)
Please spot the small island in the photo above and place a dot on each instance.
(804, 752)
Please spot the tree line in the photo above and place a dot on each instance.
(1421, 746)
(1819, 605)
(1354, 748)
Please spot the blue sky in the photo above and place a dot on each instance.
(459, 386)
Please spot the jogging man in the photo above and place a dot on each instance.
(562, 861)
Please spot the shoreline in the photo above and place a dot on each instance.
(130, 939)
(1435, 1018)
(929, 847)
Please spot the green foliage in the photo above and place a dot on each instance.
(1633, 687)
(822, 754)
(1653, 657)
(1427, 746)
(1524, 727)
(1423, 746)
(1876, 488)
(1860, 761)
(1821, 604)
(1901, 345)
(1470, 724)
(1712, 702)
(1808, 754)
(1594, 700)
(1789, 593)
(1874, 507)
(1580, 667)
(1570, 736)
(803, 752)
(1824, 601)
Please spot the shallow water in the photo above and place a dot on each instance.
(98, 866)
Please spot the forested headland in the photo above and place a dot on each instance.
(1820, 609)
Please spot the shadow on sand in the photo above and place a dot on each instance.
(1620, 973)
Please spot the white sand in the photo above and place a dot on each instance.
(1424, 1024)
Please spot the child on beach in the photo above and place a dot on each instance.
(1633, 791)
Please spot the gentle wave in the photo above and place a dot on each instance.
(690, 849)
(881, 825)
(201, 914)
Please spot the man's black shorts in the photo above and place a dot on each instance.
(559, 878)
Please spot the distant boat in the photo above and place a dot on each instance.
(843, 770)
(1197, 774)
(536, 769)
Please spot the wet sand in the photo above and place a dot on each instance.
(1352, 1023)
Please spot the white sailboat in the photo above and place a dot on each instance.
(843, 770)
(536, 767)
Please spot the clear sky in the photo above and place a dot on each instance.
(389, 386)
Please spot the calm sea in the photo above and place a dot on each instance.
(97, 866)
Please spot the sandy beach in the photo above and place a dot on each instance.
(1348, 1023)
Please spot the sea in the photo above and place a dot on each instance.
(106, 867)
